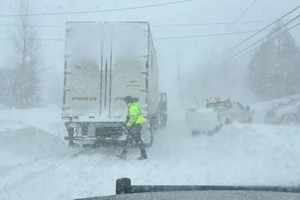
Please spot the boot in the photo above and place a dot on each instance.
(122, 155)
(142, 158)
(143, 155)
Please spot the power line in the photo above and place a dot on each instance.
(243, 13)
(98, 11)
(205, 35)
(278, 29)
(261, 30)
(40, 39)
(267, 41)
(158, 38)
(154, 25)
(232, 24)
(211, 23)
(38, 26)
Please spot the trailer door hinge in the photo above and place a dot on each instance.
(67, 73)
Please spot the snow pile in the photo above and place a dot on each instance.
(25, 137)
(23, 145)
(48, 119)
(240, 154)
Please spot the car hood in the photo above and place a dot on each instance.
(206, 195)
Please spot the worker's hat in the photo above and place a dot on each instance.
(128, 99)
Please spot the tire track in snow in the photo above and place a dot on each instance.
(32, 170)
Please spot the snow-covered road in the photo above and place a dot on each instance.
(36, 164)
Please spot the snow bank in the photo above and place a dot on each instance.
(240, 154)
(29, 135)
(47, 119)
(28, 144)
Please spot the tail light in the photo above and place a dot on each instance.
(69, 118)
(66, 118)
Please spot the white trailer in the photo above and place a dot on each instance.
(104, 62)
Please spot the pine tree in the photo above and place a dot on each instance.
(274, 69)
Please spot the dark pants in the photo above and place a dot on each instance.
(163, 119)
(134, 134)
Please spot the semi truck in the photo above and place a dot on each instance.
(105, 62)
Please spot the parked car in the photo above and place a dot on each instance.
(288, 113)
(215, 114)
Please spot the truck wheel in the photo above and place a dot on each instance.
(71, 135)
(227, 121)
(218, 128)
(153, 123)
(147, 137)
(194, 132)
(289, 119)
(250, 120)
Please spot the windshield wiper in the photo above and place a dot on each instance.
(123, 186)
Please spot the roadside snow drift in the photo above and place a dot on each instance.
(24, 137)
(19, 146)
(37, 164)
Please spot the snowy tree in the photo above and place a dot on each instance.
(4, 86)
(24, 83)
(274, 69)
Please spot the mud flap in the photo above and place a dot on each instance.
(147, 136)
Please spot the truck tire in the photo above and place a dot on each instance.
(250, 120)
(227, 121)
(154, 123)
(217, 129)
(70, 135)
(196, 132)
(147, 137)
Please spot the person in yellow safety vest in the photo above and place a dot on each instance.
(134, 126)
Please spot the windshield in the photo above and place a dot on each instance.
(164, 92)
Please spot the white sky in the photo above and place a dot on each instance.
(189, 53)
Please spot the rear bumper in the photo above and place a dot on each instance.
(202, 121)
(82, 138)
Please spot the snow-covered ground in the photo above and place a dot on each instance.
(35, 162)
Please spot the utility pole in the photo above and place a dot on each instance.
(179, 78)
